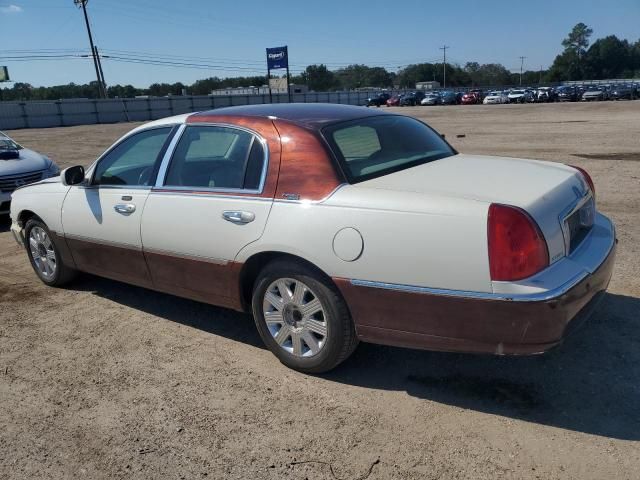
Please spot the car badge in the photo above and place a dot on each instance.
(20, 183)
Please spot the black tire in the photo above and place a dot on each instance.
(340, 340)
(61, 274)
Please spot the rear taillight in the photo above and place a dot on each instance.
(517, 248)
(587, 178)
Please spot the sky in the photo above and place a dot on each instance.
(228, 38)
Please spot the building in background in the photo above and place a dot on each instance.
(427, 85)
(278, 85)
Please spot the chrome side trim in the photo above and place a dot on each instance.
(197, 258)
(100, 241)
(523, 297)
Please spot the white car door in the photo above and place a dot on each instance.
(205, 208)
(101, 218)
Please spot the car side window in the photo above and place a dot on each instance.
(133, 160)
(216, 157)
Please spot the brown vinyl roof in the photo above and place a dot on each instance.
(312, 115)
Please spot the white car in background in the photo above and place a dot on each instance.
(518, 96)
(331, 224)
(496, 97)
(20, 166)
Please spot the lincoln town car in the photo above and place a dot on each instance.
(331, 225)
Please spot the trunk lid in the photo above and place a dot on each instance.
(547, 191)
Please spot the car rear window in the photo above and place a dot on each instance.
(374, 146)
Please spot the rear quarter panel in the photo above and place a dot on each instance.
(408, 238)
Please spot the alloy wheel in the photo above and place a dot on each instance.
(295, 317)
(42, 252)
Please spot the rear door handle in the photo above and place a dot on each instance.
(125, 208)
(238, 217)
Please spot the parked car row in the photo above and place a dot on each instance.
(565, 93)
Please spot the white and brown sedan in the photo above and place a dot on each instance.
(331, 224)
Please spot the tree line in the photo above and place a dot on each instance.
(608, 57)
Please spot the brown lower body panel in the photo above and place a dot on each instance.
(447, 323)
(200, 280)
(197, 279)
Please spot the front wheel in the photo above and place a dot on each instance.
(302, 318)
(44, 255)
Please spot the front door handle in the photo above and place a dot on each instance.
(125, 208)
(238, 217)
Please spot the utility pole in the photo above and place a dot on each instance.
(521, 65)
(103, 83)
(83, 4)
(444, 65)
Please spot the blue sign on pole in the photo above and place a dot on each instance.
(277, 57)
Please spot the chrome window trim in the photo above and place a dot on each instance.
(203, 193)
(164, 164)
(113, 187)
(166, 161)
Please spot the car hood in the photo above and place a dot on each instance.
(512, 181)
(29, 161)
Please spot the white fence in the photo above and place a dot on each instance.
(62, 113)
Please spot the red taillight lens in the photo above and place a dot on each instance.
(517, 248)
(588, 179)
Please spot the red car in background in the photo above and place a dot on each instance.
(394, 101)
(472, 98)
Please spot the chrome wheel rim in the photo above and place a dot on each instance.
(42, 252)
(295, 317)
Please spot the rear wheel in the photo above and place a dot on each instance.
(302, 318)
(44, 255)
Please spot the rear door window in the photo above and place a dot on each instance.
(217, 157)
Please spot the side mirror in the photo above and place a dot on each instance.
(72, 175)
(443, 135)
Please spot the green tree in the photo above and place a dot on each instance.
(578, 39)
(362, 76)
(419, 72)
(318, 78)
(608, 57)
(569, 65)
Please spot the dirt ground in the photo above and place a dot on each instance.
(105, 380)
